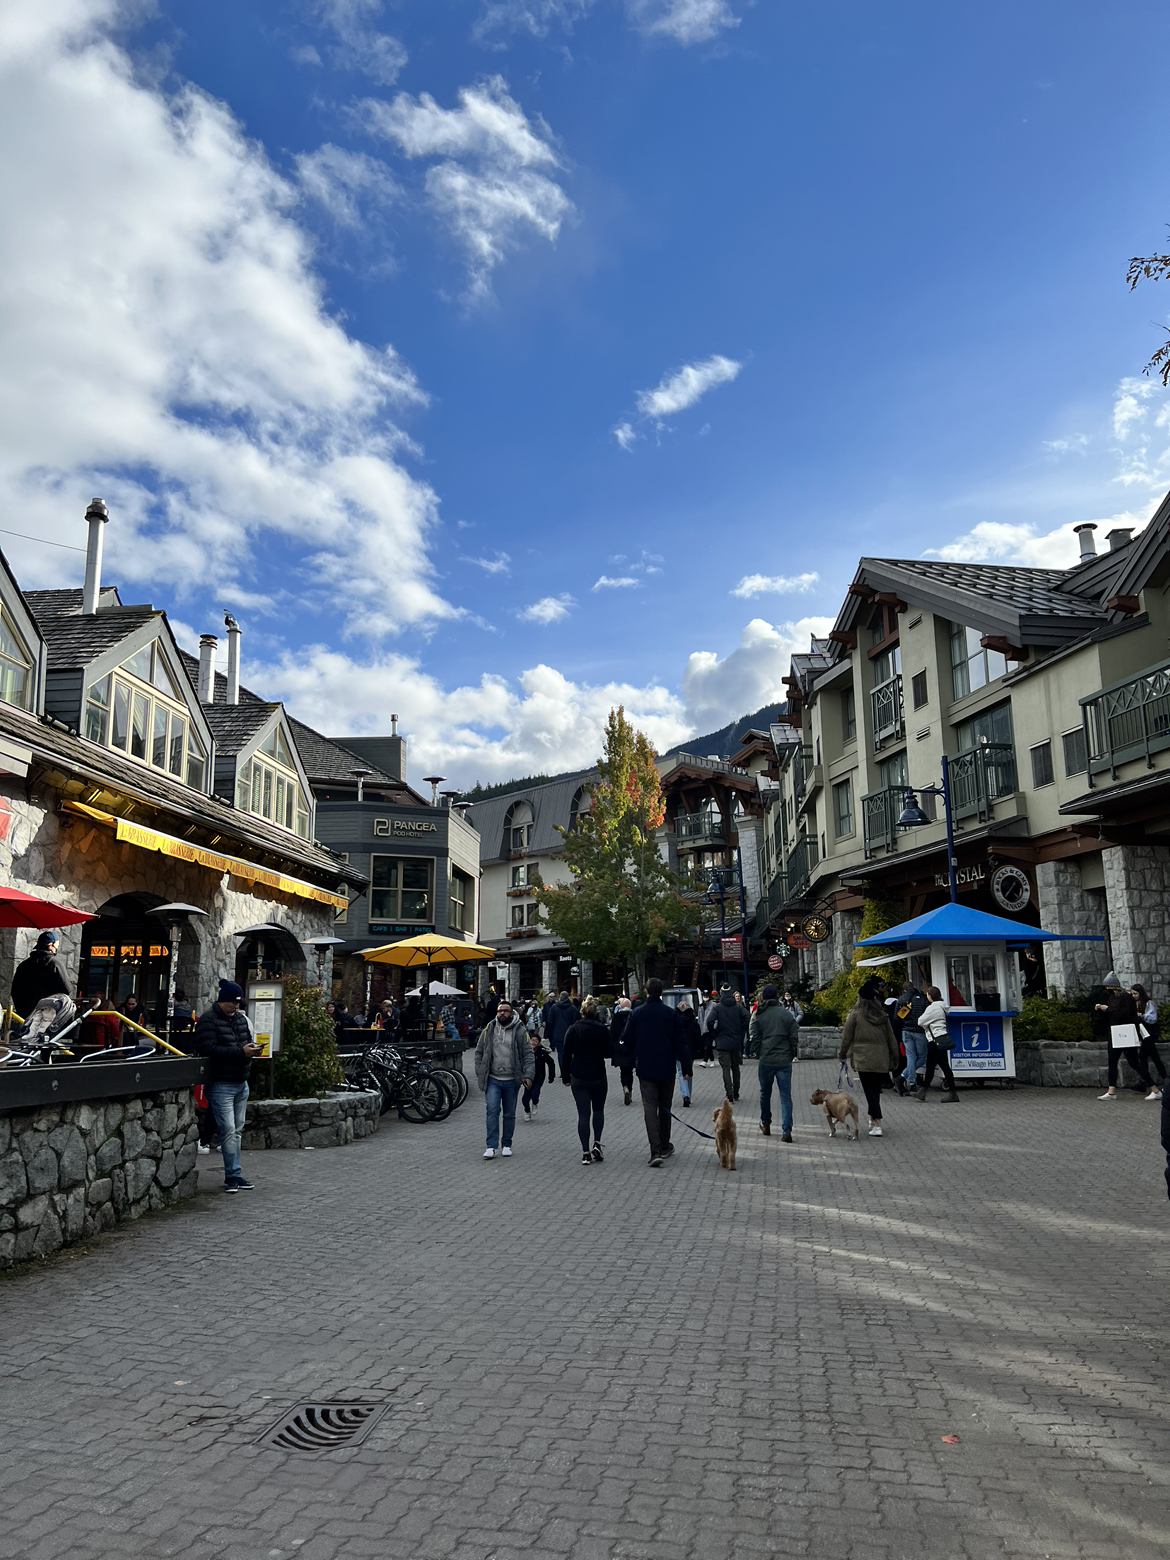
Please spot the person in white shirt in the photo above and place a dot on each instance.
(938, 1044)
(1147, 1010)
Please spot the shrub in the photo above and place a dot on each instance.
(833, 1001)
(307, 1061)
(1051, 1018)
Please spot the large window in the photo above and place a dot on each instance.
(15, 666)
(524, 874)
(990, 726)
(267, 785)
(893, 774)
(525, 915)
(887, 665)
(139, 710)
(848, 715)
(340, 917)
(461, 904)
(1076, 759)
(1042, 772)
(401, 888)
(843, 808)
(972, 667)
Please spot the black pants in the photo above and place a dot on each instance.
(1134, 1055)
(627, 1077)
(657, 1095)
(1148, 1051)
(872, 1084)
(936, 1056)
(729, 1061)
(590, 1096)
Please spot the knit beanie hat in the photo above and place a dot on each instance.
(229, 991)
(769, 993)
(1112, 982)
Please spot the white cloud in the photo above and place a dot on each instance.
(683, 21)
(491, 730)
(549, 609)
(619, 582)
(496, 180)
(530, 16)
(996, 541)
(343, 182)
(625, 435)
(500, 564)
(774, 585)
(175, 355)
(717, 690)
(686, 386)
(359, 46)
(1073, 443)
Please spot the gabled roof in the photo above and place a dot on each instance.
(72, 639)
(234, 725)
(551, 803)
(1027, 590)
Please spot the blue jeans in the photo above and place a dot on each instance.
(782, 1076)
(503, 1092)
(229, 1106)
(915, 1042)
(684, 1083)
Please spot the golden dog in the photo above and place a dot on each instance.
(725, 1135)
(838, 1108)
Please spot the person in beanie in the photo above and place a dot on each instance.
(728, 1026)
(504, 1063)
(39, 976)
(1119, 1007)
(868, 1042)
(224, 1035)
(774, 1035)
(693, 1041)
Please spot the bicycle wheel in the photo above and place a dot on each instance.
(421, 1099)
(455, 1082)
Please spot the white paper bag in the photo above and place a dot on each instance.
(1123, 1036)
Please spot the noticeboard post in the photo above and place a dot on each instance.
(265, 1014)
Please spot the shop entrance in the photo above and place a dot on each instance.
(127, 952)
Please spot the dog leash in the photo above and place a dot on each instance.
(843, 1072)
(689, 1128)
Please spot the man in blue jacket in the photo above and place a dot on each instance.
(657, 1035)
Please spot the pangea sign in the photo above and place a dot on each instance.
(403, 826)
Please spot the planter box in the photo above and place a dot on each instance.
(331, 1122)
(1064, 1064)
(21, 1087)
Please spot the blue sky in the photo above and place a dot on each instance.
(400, 329)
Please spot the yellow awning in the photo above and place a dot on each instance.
(183, 850)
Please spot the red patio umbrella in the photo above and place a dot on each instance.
(17, 909)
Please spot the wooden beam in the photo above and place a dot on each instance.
(1130, 605)
(863, 592)
(998, 643)
(888, 600)
(844, 636)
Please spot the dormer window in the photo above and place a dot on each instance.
(16, 681)
(268, 786)
(139, 711)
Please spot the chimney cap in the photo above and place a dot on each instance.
(207, 639)
(361, 770)
(1120, 536)
(97, 510)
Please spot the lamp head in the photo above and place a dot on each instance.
(911, 816)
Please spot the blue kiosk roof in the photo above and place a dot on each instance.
(959, 923)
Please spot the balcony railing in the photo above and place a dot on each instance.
(701, 828)
(982, 776)
(802, 858)
(698, 880)
(1129, 721)
(879, 812)
(888, 711)
(802, 768)
(771, 902)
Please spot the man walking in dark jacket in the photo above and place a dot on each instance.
(657, 1036)
(562, 1016)
(728, 1024)
(774, 1033)
(224, 1036)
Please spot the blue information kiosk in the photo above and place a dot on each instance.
(971, 957)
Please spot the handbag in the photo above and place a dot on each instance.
(1123, 1037)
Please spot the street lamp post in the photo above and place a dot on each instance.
(913, 817)
(177, 915)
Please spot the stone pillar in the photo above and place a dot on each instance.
(844, 930)
(1066, 906)
(548, 976)
(513, 982)
(450, 975)
(1137, 893)
(585, 978)
(483, 979)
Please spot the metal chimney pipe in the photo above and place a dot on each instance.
(394, 725)
(233, 666)
(96, 516)
(207, 648)
(1084, 534)
(1119, 537)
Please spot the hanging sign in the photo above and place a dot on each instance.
(1011, 888)
(798, 940)
(775, 962)
(732, 947)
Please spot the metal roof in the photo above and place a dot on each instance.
(551, 805)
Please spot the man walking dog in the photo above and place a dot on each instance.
(775, 1035)
(657, 1035)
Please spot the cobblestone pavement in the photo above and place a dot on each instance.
(616, 1361)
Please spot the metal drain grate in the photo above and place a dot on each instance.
(323, 1427)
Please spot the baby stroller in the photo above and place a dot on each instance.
(40, 1034)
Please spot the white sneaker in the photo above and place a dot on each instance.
(489, 1153)
(1107, 1096)
(875, 1132)
(535, 1108)
(1154, 1094)
(505, 1153)
(203, 1149)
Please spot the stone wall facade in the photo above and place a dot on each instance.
(80, 863)
(817, 1042)
(1064, 1064)
(311, 1123)
(70, 1171)
(1137, 892)
(1066, 906)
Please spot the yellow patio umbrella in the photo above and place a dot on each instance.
(429, 949)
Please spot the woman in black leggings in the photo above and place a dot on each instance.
(587, 1048)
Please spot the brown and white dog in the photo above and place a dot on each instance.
(725, 1135)
(838, 1108)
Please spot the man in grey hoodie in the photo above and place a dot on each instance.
(504, 1060)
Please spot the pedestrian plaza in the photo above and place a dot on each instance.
(948, 1343)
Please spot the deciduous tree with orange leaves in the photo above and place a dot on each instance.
(623, 901)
